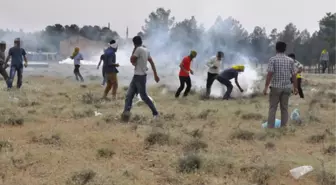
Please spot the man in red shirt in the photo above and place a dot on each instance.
(184, 74)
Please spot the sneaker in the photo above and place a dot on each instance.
(125, 116)
(155, 117)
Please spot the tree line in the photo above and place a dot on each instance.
(48, 40)
(162, 32)
(230, 34)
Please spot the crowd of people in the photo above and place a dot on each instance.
(283, 75)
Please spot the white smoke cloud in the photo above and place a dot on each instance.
(168, 53)
(167, 66)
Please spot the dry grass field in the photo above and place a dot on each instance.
(50, 135)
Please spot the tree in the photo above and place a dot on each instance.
(53, 35)
(228, 35)
(186, 35)
(327, 33)
(72, 30)
(158, 23)
(186, 31)
(107, 35)
(259, 43)
(289, 35)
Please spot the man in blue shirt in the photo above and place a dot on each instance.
(110, 69)
(225, 76)
(17, 54)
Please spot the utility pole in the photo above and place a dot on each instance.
(127, 32)
(108, 25)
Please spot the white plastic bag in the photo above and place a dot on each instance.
(300, 171)
(139, 101)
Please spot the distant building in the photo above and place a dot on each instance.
(86, 46)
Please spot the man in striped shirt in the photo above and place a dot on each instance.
(280, 69)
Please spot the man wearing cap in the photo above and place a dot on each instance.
(214, 65)
(324, 59)
(185, 70)
(110, 69)
(225, 76)
(3, 66)
(17, 54)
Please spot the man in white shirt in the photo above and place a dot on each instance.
(214, 65)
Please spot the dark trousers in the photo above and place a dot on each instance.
(183, 80)
(13, 70)
(138, 85)
(3, 72)
(324, 65)
(228, 85)
(299, 82)
(77, 73)
(276, 96)
(210, 79)
(104, 77)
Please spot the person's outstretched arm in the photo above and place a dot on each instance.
(237, 84)
(8, 56)
(24, 57)
(99, 63)
(156, 77)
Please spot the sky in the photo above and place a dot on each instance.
(34, 15)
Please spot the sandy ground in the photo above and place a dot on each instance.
(49, 135)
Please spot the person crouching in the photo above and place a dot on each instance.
(225, 76)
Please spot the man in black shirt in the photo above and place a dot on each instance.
(225, 76)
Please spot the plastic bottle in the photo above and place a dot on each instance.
(300, 171)
(295, 115)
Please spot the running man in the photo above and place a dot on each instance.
(3, 66)
(139, 58)
(17, 55)
(110, 70)
(214, 65)
(225, 76)
(185, 70)
(77, 57)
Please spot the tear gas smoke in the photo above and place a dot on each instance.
(168, 67)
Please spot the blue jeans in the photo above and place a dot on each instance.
(13, 70)
(138, 85)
